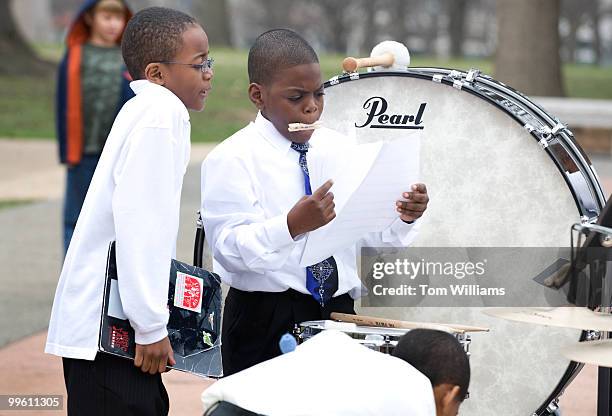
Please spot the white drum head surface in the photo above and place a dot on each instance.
(490, 185)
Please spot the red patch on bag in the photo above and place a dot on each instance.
(188, 292)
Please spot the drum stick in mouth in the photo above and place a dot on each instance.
(394, 323)
(303, 126)
(351, 64)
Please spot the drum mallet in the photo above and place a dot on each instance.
(388, 55)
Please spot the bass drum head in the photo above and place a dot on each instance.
(490, 185)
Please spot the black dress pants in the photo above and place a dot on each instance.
(112, 386)
(254, 322)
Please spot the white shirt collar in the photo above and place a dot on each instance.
(269, 132)
(141, 85)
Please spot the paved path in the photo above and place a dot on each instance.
(30, 257)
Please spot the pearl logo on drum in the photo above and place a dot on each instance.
(376, 112)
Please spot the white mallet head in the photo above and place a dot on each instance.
(399, 52)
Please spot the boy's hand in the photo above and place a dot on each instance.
(312, 211)
(153, 358)
(415, 203)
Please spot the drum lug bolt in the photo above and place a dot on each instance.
(553, 407)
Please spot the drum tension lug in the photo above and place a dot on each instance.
(472, 74)
(334, 80)
(457, 84)
(558, 128)
(454, 74)
(545, 140)
(460, 79)
(553, 407)
(593, 336)
(561, 128)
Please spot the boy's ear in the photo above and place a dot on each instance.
(256, 95)
(447, 399)
(153, 72)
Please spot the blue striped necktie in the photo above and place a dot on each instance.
(321, 278)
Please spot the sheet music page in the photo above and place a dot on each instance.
(365, 190)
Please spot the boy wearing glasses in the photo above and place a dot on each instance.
(93, 85)
(134, 200)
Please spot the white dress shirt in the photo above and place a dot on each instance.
(134, 199)
(329, 374)
(249, 183)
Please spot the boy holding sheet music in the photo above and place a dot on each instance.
(258, 204)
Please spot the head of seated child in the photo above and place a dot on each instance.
(285, 81)
(442, 359)
(169, 48)
(106, 21)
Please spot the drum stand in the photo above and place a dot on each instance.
(604, 376)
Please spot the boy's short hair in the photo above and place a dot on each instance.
(277, 49)
(112, 6)
(153, 35)
(438, 355)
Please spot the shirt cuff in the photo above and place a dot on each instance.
(400, 226)
(150, 337)
(400, 231)
(277, 231)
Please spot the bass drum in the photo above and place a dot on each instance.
(500, 172)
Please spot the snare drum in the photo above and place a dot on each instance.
(376, 338)
(500, 172)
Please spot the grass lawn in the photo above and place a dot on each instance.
(26, 104)
(13, 203)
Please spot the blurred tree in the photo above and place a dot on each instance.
(527, 56)
(16, 56)
(38, 18)
(577, 14)
(370, 29)
(215, 17)
(456, 25)
(277, 13)
(428, 18)
(335, 12)
(572, 12)
(593, 12)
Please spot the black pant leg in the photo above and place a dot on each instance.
(343, 304)
(253, 323)
(110, 386)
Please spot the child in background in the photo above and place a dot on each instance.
(93, 85)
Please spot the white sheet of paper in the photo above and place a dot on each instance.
(115, 308)
(369, 183)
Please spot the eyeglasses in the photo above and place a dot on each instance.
(207, 66)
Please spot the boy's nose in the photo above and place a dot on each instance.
(311, 106)
(208, 76)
